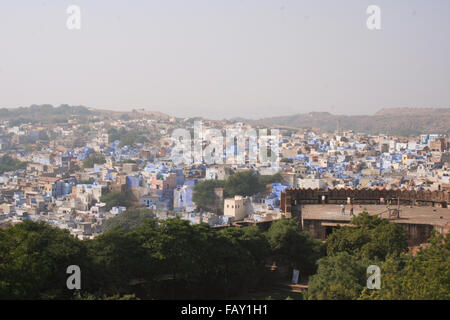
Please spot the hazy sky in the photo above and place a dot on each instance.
(226, 58)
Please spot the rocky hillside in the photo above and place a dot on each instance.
(396, 121)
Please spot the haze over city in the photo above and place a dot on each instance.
(219, 155)
(227, 59)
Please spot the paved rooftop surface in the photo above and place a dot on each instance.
(414, 215)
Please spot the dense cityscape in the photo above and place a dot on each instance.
(201, 158)
(77, 175)
(91, 172)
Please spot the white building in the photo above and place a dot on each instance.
(236, 207)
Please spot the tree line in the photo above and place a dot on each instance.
(169, 259)
(146, 258)
(10, 164)
(342, 274)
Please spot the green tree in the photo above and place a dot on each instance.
(118, 262)
(371, 238)
(425, 276)
(204, 195)
(268, 179)
(338, 277)
(114, 134)
(126, 138)
(115, 199)
(196, 261)
(138, 257)
(177, 250)
(9, 164)
(33, 261)
(244, 183)
(286, 160)
(129, 161)
(129, 219)
(249, 248)
(88, 181)
(94, 158)
(294, 247)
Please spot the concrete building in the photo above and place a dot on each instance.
(418, 222)
(164, 182)
(236, 207)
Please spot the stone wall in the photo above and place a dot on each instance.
(295, 197)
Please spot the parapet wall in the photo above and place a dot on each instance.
(295, 197)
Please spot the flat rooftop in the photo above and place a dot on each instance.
(411, 215)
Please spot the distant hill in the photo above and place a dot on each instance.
(410, 111)
(395, 121)
(47, 113)
(43, 113)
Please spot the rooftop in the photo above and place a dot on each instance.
(411, 215)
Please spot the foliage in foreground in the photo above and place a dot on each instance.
(169, 259)
(342, 274)
(173, 259)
